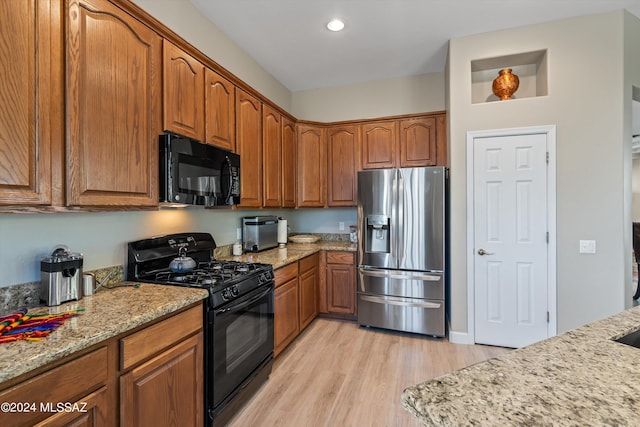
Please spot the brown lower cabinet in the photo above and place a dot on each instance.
(308, 290)
(341, 283)
(286, 325)
(170, 378)
(157, 372)
(295, 300)
(337, 286)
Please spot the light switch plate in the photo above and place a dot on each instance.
(587, 246)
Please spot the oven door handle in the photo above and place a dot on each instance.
(244, 304)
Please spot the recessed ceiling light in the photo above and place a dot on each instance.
(335, 25)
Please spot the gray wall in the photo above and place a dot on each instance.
(102, 237)
(406, 95)
(587, 103)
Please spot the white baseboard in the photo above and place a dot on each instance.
(460, 337)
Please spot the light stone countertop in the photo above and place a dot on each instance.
(292, 252)
(579, 378)
(107, 313)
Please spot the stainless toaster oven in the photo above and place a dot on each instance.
(259, 233)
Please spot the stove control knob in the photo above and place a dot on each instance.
(235, 291)
(226, 294)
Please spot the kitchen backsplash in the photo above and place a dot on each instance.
(28, 294)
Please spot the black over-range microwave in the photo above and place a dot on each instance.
(194, 173)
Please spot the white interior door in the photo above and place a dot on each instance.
(510, 222)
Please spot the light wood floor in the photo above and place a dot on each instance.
(339, 374)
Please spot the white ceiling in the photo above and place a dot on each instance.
(382, 38)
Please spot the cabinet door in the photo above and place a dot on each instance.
(88, 411)
(183, 89)
(341, 289)
(312, 167)
(220, 111)
(418, 142)
(26, 115)
(113, 96)
(167, 390)
(289, 168)
(249, 146)
(64, 383)
(379, 145)
(441, 140)
(272, 157)
(342, 144)
(285, 321)
(308, 294)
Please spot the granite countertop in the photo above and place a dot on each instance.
(107, 313)
(279, 257)
(579, 378)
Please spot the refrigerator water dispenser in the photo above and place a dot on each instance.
(377, 238)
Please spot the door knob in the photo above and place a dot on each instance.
(483, 252)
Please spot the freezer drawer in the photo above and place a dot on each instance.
(410, 284)
(402, 314)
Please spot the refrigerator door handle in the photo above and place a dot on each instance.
(405, 302)
(400, 275)
(400, 219)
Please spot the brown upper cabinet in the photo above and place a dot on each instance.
(26, 115)
(312, 166)
(113, 100)
(379, 144)
(418, 142)
(220, 111)
(288, 163)
(342, 154)
(249, 147)
(183, 89)
(405, 142)
(272, 157)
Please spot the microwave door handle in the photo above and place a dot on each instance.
(228, 196)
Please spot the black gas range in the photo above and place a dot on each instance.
(238, 315)
(149, 260)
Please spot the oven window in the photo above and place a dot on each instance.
(245, 336)
(243, 339)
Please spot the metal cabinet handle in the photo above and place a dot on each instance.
(483, 252)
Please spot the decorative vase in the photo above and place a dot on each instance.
(505, 84)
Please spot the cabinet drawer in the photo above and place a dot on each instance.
(286, 273)
(151, 340)
(341, 258)
(66, 383)
(308, 263)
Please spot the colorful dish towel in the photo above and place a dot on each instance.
(22, 326)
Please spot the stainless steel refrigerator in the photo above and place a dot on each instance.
(402, 236)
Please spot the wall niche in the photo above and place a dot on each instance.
(530, 67)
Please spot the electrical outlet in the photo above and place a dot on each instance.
(587, 246)
(341, 226)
